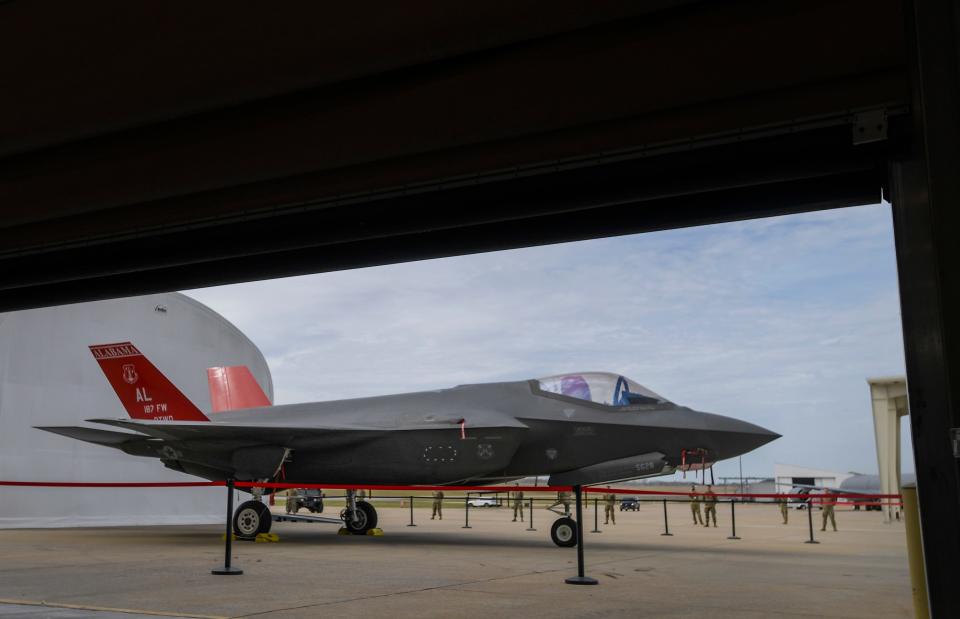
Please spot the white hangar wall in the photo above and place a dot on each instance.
(48, 377)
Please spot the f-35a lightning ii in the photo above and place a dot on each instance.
(580, 429)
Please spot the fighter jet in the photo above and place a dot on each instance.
(579, 429)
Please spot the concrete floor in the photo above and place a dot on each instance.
(438, 569)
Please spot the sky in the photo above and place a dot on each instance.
(776, 321)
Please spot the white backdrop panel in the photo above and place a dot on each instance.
(48, 377)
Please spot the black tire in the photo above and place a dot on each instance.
(366, 519)
(564, 532)
(251, 519)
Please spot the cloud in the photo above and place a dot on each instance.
(777, 321)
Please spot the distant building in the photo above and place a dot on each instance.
(788, 475)
(766, 486)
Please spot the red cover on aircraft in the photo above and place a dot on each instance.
(233, 388)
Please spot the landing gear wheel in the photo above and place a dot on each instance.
(564, 532)
(366, 519)
(251, 519)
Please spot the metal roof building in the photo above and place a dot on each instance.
(788, 475)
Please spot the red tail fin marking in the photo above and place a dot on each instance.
(143, 390)
(233, 388)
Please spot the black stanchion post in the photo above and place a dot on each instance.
(227, 569)
(580, 579)
(530, 528)
(466, 511)
(666, 524)
(733, 520)
(411, 513)
(810, 522)
(596, 519)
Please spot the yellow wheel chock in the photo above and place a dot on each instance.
(261, 537)
(267, 537)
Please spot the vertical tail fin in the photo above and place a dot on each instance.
(144, 391)
(233, 388)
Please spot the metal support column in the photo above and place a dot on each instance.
(466, 512)
(733, 520)
(228, 569)
(925, 194)
(666, 524)
(580, 579)
(810, 522)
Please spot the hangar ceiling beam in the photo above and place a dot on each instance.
(787, 174)
(282, 140)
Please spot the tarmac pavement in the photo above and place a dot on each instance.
(438, 569)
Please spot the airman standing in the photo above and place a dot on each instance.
(784, 511)
(437, 505)
(518, 505)
(711, 508)
(695, 505)
(292, 501)
(609, 515)
(828, 502)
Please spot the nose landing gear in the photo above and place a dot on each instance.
(564, 532)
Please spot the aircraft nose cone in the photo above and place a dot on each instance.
(735, 437)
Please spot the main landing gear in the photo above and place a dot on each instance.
(251, 519)
(358, 516)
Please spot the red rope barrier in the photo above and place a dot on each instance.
(286, 485)
(815, 498)
(112, 484)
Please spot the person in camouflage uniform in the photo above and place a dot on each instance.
(711, 506)
(695, 505)
(437, 505)
(784, 510)
(518, 505)
(828, 502)
(293, 502)
(609, 514)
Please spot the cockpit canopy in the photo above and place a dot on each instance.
(601, 388)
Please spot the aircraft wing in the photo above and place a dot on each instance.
(326, 436)
(95, 436)
(247, 449)
(300, 437)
